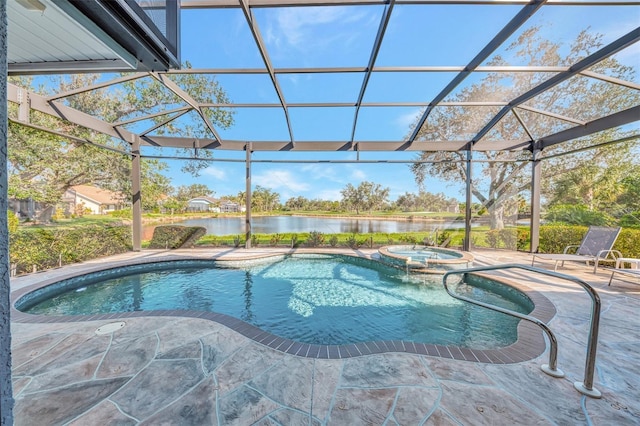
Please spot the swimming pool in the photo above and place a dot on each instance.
(317, 299)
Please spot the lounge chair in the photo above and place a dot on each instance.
(631, 272)
(596, 246)
(634, 271)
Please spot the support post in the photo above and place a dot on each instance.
(247, 217)
(6, 390)
(136, 193)
(24, 107)
(534, 224)
(467, 210)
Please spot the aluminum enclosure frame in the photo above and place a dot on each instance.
(54, 105)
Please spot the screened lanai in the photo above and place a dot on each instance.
(490, 91)
(468, 83)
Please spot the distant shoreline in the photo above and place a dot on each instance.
(410, 218)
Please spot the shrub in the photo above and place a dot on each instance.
(370, 240)
(315, 239)
(333, 241)
(353, 242)
(554, 238)
(492, 237)
(577, 215)
(275, 239)
(58, 214)
(523, 242)
(46, 248)
(12, 221)
(255, 241)
(294, 240)
(443, 237)
(175, 236)
(237, 240)
(628, 243)
(630, 220)
(408, 238)
(509, 237)
(428, 241)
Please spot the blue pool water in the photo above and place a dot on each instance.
(316, 299)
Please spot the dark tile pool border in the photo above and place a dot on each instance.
(529, 344)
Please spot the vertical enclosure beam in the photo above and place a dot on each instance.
(24, 107)
(467, 210)
(136, 192)
(6, 392)
(536, 172)
(247, 200)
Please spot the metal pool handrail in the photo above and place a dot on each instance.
(586, 387)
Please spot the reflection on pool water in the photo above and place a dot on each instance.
(320, 299)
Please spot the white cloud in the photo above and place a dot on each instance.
(328, 194)
(296, 23)
(405, 121)
(278, 178)
(357, 174)
(312, 28)
(322, 172)
(215, 173)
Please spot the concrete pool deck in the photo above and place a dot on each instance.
(184, 370)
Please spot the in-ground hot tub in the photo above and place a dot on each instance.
(425, 259)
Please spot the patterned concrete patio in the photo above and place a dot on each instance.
(186, 370)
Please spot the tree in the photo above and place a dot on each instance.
(630, 195)
(154, 185)
(187, 192)
(424, 201)
(264, 199)
(596, 186)
(173, 205)
(507, 172)
(297, 203)
(352, 198)
(367, 196)
(42, 166)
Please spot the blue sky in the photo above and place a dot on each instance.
(343, 37)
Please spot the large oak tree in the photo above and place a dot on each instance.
(500, 179)
(42, 166)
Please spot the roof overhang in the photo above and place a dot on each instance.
(71, 36)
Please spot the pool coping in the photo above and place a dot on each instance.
(530, 342)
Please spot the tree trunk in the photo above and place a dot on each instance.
(496, 216)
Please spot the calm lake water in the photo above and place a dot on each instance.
(282, 224)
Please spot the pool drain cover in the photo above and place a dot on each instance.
(109, 328)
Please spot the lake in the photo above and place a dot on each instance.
(282, 224)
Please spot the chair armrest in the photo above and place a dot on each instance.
(615, 254)
(566, 249)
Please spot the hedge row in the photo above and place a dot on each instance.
(320, 239)
(554, 238)
(176, 236)
(31, 250)
(39, 249)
